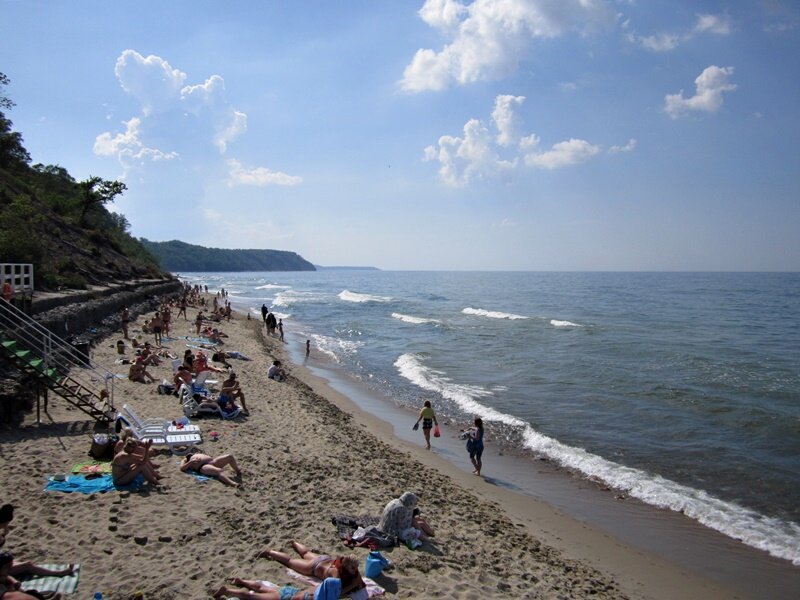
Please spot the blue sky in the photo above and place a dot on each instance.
(486, 135)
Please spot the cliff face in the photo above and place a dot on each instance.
(181, 257)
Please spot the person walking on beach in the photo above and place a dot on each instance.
(264, 313)
(280, 328)
(474, 436)
(125, 318)
(428, 418)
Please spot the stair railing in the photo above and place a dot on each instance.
(55, 352)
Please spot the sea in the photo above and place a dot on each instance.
(679, 389)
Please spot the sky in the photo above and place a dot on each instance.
(544, 135)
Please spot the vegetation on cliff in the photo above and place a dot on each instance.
(62, 225)
(181, 257)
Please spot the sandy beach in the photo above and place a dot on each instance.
(307, 453)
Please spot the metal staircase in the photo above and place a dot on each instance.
(59, 366)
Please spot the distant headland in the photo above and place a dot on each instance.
(181, 257)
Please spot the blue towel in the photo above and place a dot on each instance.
(104, 483)
(330, 589)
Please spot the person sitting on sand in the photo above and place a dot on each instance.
(148, 356)
(201, 364)
(231, 390)
(139, 449)
(138, 372)
(127, 464)
(212, 467)
(26, 567)
(330, 589)
(6, 516)
(276, 371)
(321, 566)
(398, 519)
(182, 376)
(10, 588)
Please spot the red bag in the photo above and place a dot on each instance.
(436, 432)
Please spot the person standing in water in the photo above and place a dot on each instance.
(428, 418)
(475, 445)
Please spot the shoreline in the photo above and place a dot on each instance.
(307, 452)
(573, 506)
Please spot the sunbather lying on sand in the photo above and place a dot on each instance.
(320, 566)
(26, 567)
(330, 589)
(212, 467)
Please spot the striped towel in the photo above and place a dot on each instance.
(65, 585)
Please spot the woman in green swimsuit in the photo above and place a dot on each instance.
(428, 418)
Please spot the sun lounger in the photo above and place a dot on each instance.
(193, 408)
(146, 424)
(177, 443)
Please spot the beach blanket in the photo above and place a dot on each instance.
(92, 466)
(371, 591)
(93, 485)
(64, 585)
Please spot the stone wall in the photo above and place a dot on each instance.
(97, 312)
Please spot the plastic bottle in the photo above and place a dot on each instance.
(98, 596)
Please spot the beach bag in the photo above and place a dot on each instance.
(375, 564)
(437, 432)
(103, 446)
(470, 445)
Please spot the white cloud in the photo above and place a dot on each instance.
(128, 147)
(710, 85)
(506, 119)
(259, 176)
(236, 126)
(488, 38)
(464, 159)
(664, 42)
(563, 154)
(150, 80)
(476, 155)
(629, 147)
(716, 24)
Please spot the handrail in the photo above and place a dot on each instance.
(54, 351)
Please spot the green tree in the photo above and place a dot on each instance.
(96, 192)
(12, 152)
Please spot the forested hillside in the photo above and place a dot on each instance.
(62, 225)
(180, 257)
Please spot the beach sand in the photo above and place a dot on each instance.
(307, 453)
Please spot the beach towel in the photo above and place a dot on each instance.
(64, 585)
(92, 466)
(371, 591)
(82, 485)
(198, 476)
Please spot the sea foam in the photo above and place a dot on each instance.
(779, 538)
(349, 296)
(272, 286)
(414, 320)
(492, 314)
(557, 323)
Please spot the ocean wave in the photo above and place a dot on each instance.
(779, 538)
(349, 296)
(272, 286)
(557, 323)
(334, 347)
(411, 367)
(290, 297)
(491, 314)
(414, 320)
